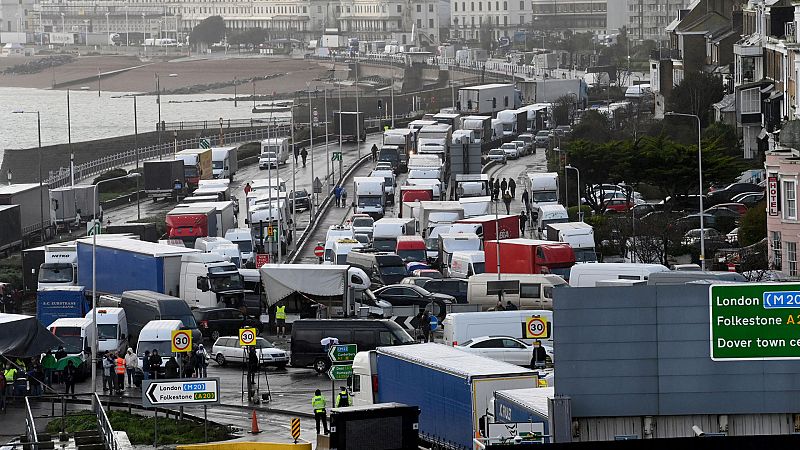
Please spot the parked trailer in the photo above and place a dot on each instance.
(62, 207)
(10, 228)
(33, 203)
(349, 124)
(486, 99)
(160, 178)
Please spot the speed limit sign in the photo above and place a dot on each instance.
(247, 336)
(536, 328)
(181, 341)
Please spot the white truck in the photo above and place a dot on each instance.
(543, 188)
(455, 242)
(386, 230)
(544, 215)
(60, 266)
(388, 183)
(486, 98)
(210, 280)
(77, 334)
(511, 118)
(435, 139)
(406, 141)
(436, 217)
(224, 162)
(579, 235)
(112, 329)
(481, 126)
(274, 152)
(370, 196)
(244, 240)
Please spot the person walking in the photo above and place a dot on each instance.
(337, 193)
(496, 189)
(70, 373)
(280, 320)
(247, 189)
(374, 152)
(146, 365)
(426, 325)
(304, 155)
(202, 362)
(131, 364)
(171, 368)
(503, 186)
(344, 197)
(155, 364)
(318, 404)
(119, 369)
(539, 355)
(252, 367)
(507, 201)
(526, 199)
(296, 155)
(108, 368)
(512, 186)
(49, 366)
(344, 398)
(523, 218)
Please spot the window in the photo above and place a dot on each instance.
(480, 6)
(789, 200)
(430, 7)
(527, 290)
(522, 20)
(430, 23)
(751, 101)
(419, 23)
(455, 5)
(510, 343)
(777, 256)
(489, 6)
(522, 6)
(399, 8)
(489, 343)
(472, 6)
(791, 257)
(505, 6)
(419, 8)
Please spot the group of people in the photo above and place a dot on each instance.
(30, 376)
(301, 153)
(192, 364)
(319, 404)
(340, 194)
(115, 366)
(503, 189)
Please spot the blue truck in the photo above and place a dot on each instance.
(128, 264)
(522, 412)
(63, 302)
(452, 388)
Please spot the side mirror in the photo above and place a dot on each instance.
(202, 284)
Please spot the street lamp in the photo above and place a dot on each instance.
(62, 24)
(700, 172)
(580, 213)
(96, 229)
(39, 130)
(108, 31)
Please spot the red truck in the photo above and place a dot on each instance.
(190, 223)
(530, 256)
(506, 225)
(413, 194)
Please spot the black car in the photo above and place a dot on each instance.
(454, 287)
(725, 195)
(303, 200)
(411, 294)
(216, 322)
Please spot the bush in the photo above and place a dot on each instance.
(753, 226)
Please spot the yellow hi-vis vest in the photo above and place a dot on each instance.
(280, 312)
(318, 403)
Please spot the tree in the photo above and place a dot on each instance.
(753, 226)
(564, 109)
(487, 35)
(593, 127)
(695, 94)
(209, 31)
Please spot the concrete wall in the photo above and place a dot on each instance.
(644, 350)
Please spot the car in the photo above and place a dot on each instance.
(733, 236)
(739, 208)
(642, 209)
(385, 165)
(722, 211)
(689, 202)
(692, 237)
(226, 350)
(749, 199)
(542, 139)
(502, 348)
(565, 129)
(522, 147)
(413, 295)
(692, 221)
(215, 322)
(528, 139)
(511, 150)
(267, 160)
(363, 239)
(455, 287)
(618, 205)
(419, 281)
(726, 194)
(362, 224)
(302, 200)
(497, 155)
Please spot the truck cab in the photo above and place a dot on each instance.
(208, 280)
(543, 188)
(369, 193)
(223, 162)
(60, 266)
(544, 215)
(242, 238)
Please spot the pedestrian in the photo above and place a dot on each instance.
(526, 199)
(49, 366)
(491, 185)
(202, 362)
(108, 368)
(337, 193)
(131, 364)
(503, 185)
(318, 404)
(304, 155)
(146, 365)
(188, 365)
(510, 306)
(499, 306)
(155, 364)
(539, 357)
(496, 189)
(426, 326)
(252, 366)
(36, 379)
(512, 185)
(247, 189)
(374, 152)
(171, 368)
(119, 369)
(280, 320)
(296, 155)
(344, 197)
(344, 398)
(507, 201)
(523, 218)
(70, 372)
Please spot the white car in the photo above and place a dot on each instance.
(361, 224)
(502, 348)
(497, 155)
(267, 160)
(522, 147)
(227, 349)
(511, 150)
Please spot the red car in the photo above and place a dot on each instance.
(618, 205)
(736, 207)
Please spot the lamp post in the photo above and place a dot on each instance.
(39, 131)
(700, 177)
(580, 213)
(108, 31)
(95, 229)
(63, 29)
(127, 30)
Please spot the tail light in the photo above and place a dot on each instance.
(455, 343)
(204, 324)
(374, 384)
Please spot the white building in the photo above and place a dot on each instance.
(503, 17)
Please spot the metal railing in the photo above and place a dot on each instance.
(30, 424)
(226, 123)
(103, 424)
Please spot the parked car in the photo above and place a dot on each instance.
(215, 322)
(411, 294)
(497, 155)
(454, 287)
(692, 237)
(418, 281)
(618, 205)
(227, 349)
(738, 208)
(522, 147)
(726, 194)
(502, 348)
(723, 211)
(303, 200)
(749, 199)
(542, 139)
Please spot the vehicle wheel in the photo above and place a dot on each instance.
(281, 366)
(321, 365)
(220, 359)
(214, 336)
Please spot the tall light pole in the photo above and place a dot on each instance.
(580, 213)
(39, 131)
(108, 31)
(327, 155)
(358, 118)
(700, 172)
(127, 29)
(311, 141)
(69, 141)
(95, 229)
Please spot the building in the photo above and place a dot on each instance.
(14, 15)
(648, 18)
(500, 17)
(404, 21)
(783, 180)
(578, 16)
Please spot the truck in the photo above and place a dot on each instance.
(579, 235)
(543, 188)
(191, 222)
(54, 303)
(161, 177)
(491, 227)
(10, 228)
(145, 231)
(85, 201)
(480, 125)
(386, 230)
(437, 213)
(435, 139)
(472, 185)
(112, 329)
(515, 121)
(427, 374)
(455, 242)
(274, 152)
(412, 195)
(530, 256)
(224, 162)
(196, 165)
(225, 214)
(486, 99)
(526, 410)
(33, 205)
(448, 118)
(399, 424)
(60, 267)
(127, 264)
(348, 125)
(210, 280)
(406, 141)
(77, 334)
(62, 207)
(543, 215)
(476, 206)
(369, 195)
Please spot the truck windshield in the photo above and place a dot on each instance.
(363, 222)
(412, 255)
(189, 171)
(221, 283)
(585, 255)
(106, 331)
(163, 347)
(384, 244)
(216, 164)
(544, 196)
(369, 201)
(245, 246)
(56, 273)
(71, 336)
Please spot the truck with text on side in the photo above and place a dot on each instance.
(128, 264)
(406, 141)
(196, 165)
(579, 235)
(54, 303)
(60, 267)
(491, 227)
(224, 162)
(348, 125)
(412, 195)
(10, 228)
(530, 256)
(369, 196)
(161, 177)
(192, 222)
(452, 388)
(487, 99)
(543, 188)
(33, 204)
(480, 125)
(209, 280)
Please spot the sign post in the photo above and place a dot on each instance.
(181, 341)
(341, 357)
(247, 337)
(756, 321)
(261, 259)
(536, 328)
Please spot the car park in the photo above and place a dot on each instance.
(227, 350)
(726, 194)
(497, 155)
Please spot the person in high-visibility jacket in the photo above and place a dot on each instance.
(119, 371)
(280, 320)
(318, 403)
(344, 398)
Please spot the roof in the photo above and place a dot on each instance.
(532, 399)
(17, 188)
(70, 322)
(161, 325)
(136, 246)
(454, 361)
(727, 104)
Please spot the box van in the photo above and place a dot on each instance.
(382, 268)
(388, 183)
(112, 329)
(157, 335)
(536, 290)
(464, 264)
(142, 307)
(587, 275)
(367, 334)
(461, 327)
(411, 248)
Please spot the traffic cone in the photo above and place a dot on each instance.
(254, 426)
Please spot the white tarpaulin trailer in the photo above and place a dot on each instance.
(317, 280)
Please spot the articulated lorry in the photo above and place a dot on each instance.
(196, 165)
(63, 302)
(191, 222)
(60, 267)
(530, 256)
(33, 205)
(10, 228)
(161, 178)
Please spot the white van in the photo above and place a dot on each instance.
(341, 248)
(112, 329)
(157, 335)
(464, 264)
(208, 244)
(587, 275)
(536, 290)
(244, 239)
(461, 327)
